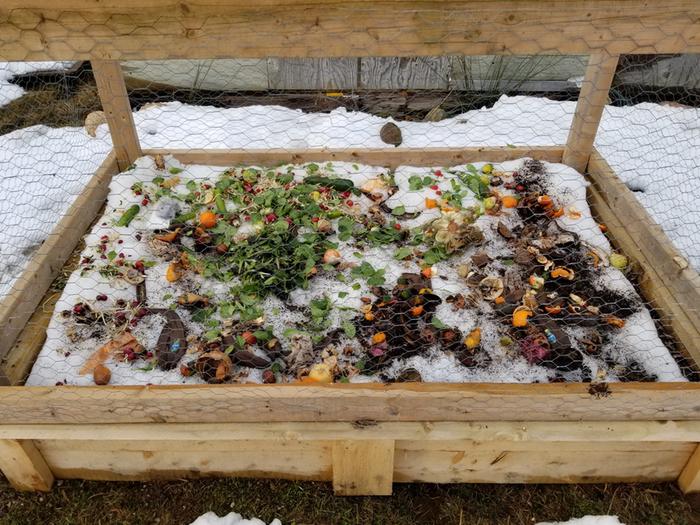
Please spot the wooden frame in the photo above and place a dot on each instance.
(360, 437)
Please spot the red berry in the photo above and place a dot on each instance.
(434, 187)
(140, 266)
(345, 194)
(270, 217)
(246, 218)
(314, 219)
(438, 173)
(145, 202)
(101, 297)
(438, 192)
(349, 203)
(397, 226)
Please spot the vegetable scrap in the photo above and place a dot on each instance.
(346, 273)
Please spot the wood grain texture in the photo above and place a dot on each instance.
(19, 360)
(18, 306)
(117, 109)
(589, 109)
(127, 460)
(159, 29)
(24, 466)
(404, 72)
(388, 157)
(363, 468)
(394, 402)
(315, 73)
(689, 478)
(531, 431)
(513, 462)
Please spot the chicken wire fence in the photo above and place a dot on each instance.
(336, 271)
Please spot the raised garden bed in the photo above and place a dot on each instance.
(365, 436)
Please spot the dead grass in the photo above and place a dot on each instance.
(180, 502)
(51, 107)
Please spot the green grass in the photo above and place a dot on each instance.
(180, 502)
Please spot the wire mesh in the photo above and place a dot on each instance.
(335, 271)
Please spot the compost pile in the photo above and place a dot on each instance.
(339, 273)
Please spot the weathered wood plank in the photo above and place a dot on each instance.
(405, 72)
(24, 466)
(315, 73)
(532, 431)
(117, 109)
(589, 109)
(19, 305)
(419, 402)
(389, 157)
(159, 29)
(363, 468)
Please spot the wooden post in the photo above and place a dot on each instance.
(117, 109)
(589, 109)
(689, 479)
(363, 468)
(24, 466)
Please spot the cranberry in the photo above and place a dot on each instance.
(101, 297)
(349, 203)
(120, 241)
(270, 217)
(246, 218)
(438, 192)
(314, 219)
(140, 266)
(397, 226)
(145, 202)
(435, 187)
(138, 237)
(438, 173)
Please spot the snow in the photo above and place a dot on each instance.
(9, 91)
(232, 518)
(587, 520)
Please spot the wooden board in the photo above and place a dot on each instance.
(117, 110)
(389, 157)
(343, 402)
(18, 306)
(314, 73)
(405, 73)
(23, 465)
(530, 431)
(589, 109)
(452, 461)
(127, 460)
(363, 468)
(512, 462)
(158, 29)
(689, 478)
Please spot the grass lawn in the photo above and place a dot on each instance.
(180, 502)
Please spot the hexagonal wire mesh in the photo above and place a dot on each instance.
(494, 269)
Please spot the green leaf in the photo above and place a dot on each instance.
(349, 329)
(399, 210)
(438, 324)
(111, 255)
(402, 253)
(175, 171)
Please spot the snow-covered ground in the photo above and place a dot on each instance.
(654, 149)
(585, 520)
(233, 518)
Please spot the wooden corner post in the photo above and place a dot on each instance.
(117, 109)
(363, 467)
(589, 109)
(24, 466)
